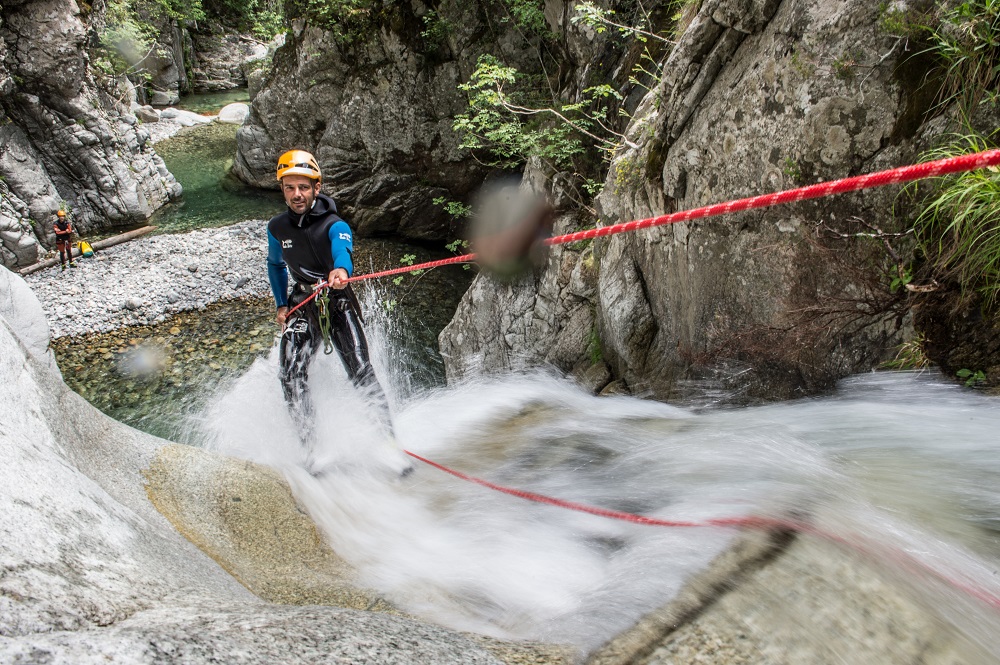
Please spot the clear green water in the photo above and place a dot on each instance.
(212, 102)
(201, 159)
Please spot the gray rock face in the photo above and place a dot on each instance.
(751, 102)
(377, 114)
(757, 96)
(219, 56)
(18, 242)
(66, 141)
(165, 63)
(546, 317)
(206, 57)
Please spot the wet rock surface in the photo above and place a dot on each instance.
(813, 604)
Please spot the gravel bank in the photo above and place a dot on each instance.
(144, 281)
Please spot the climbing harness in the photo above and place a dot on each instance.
(323, 306)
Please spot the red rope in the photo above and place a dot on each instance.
(901, 557)
(889, 177)
(753, 522)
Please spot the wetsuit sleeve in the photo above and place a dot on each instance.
(277, 272)
(342, 246)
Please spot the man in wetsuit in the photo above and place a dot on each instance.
(310, 241)
(64, 237)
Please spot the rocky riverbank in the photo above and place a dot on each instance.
(129, 582)
(144, 281)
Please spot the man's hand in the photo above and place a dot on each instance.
(281, 316)
(338, 278)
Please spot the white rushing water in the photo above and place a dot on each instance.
(905, 467)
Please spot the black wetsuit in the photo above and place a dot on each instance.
(64, 237)
(310, 246)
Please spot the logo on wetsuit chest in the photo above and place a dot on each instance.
(286, 244)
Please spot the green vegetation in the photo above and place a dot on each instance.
(503, 107)
(347, 20)
(513, 116)
(844, 67)
(131, 28)
(436, 29)
(124, 41)
(407, 260)
(972, 379)
(968, 45)
(458, 245)
(528, 16)
(802, 63)
(957, 218)
(963, 38)
(958, 228)
(628, 174)
(792, 170)
(902, 278)
(594, 346)
(263, 18)
(456, 209)
(910, 355)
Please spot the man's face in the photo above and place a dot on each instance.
(300, 192)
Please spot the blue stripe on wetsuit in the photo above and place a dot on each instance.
(342, 246)
(277, 271)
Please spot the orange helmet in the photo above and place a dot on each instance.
(298, 162)
(60, 213)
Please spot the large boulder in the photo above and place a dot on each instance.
(234, 114)
(756, 96)
(751, 102)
